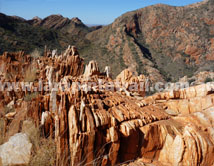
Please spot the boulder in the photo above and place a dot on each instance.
(17, 151)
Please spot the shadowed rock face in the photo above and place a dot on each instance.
(105, 126)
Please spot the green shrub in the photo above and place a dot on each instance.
(44, 150)
(208, 79)
(191, 81)
(36, 54)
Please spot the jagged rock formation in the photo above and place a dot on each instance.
(148, 131)
(91, 69)
(96, 121)
(129, 81)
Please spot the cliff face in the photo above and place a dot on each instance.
(109, 123)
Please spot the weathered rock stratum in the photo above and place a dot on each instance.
(107, 124)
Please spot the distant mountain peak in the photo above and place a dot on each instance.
(76, 20)
(36, 18)
(18, 18)
(55, 16)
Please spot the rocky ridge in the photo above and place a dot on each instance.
(105, 124)
(58, 22)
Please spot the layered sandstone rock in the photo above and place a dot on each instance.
(95, 122)
(147, 132)
(91, 69)
(131, 82)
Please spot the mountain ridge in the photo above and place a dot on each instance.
(162, 41)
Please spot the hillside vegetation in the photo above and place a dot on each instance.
(163, 42)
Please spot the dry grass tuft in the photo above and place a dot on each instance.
(2, 131)
(31, 96)
(8, 110)
(35, 54)
(30, 75)
(44, 150)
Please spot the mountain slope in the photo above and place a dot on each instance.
(19, 34)
(161, 41)
(175, 40)
(16, 34)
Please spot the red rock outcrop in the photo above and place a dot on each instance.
(107, 121)
(100, 124)
(131, 82)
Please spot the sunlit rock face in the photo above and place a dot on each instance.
(108, 123)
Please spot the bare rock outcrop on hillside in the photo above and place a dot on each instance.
(199, 78)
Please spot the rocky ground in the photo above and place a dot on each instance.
(106, 123)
